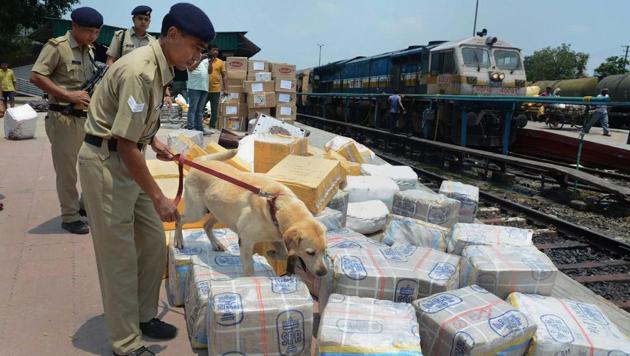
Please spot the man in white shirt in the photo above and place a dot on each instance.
(600, 113)
(197, 86)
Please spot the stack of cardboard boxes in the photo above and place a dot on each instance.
(257, 86)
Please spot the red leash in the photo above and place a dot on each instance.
(181, 161)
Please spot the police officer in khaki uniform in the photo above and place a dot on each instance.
(125, 41)
(123, 201)
(63, 66)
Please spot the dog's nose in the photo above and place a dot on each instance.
(322, 272)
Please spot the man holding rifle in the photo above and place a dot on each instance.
(63, 66)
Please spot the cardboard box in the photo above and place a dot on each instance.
(261, 100)
(285, 85)
(285, 111)
(232, 110)
(260, 316)
(368, 326)
(314, 180)
(254, 87)
(255, 65)
(286, 98)
(502, 270)
(236, 64)
(404, 230)
(568, 327)
(235, 86)
(400, 274)
(471, 321)
(253, 113)
(262, 76)
(236, 68)
(234, 123)
(235, 98)
(463, 235)
(196, 243)
(283, 70)
(426, 206)
(271, 149)
(351, 168)
(236, 75)
(205, 271)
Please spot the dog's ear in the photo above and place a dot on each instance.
(292, 239)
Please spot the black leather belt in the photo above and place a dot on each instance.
(112, 144)
(67, 110)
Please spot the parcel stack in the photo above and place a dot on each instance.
(257, 87)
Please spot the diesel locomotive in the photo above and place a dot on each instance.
(480, 65)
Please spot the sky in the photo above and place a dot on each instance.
(289, 30)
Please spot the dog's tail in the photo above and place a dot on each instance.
(221, 156)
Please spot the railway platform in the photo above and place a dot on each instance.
(50, 301)
(538, 139)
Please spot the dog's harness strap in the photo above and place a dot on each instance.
(181, 161)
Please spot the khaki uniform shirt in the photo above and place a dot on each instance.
(218, 68)
(66, 63)
(127, 101)
(131, 42)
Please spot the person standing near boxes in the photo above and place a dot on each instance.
(216, 71)
(61, 68)
(125, 41)
(123, 201)
(197, 86)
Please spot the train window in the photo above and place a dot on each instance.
(443, 63)
(507, 60)
(476, 57)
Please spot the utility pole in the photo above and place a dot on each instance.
(625, 58)
(319, 63)
(475, 24)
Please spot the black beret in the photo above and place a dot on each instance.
(142, 10)
(190, 19)
(87, 17)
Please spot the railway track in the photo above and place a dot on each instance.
(599, 262)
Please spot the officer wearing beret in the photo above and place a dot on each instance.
(125, 41)
(63, 66)
(123, 201)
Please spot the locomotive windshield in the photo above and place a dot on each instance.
(507, 60)
(476, 57)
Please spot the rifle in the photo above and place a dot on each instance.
(89, 85)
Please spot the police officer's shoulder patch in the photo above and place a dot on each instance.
(56, 41)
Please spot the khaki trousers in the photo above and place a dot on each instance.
(66, 135)
(129, 244)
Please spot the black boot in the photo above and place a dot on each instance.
(157, 329)
(76, 227)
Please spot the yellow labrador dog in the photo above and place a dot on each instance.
(250, 216)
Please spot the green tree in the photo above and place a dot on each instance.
(556, 63)
(612, 65)
(18, 17)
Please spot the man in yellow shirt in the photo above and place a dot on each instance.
(216, 72)
(7, 84)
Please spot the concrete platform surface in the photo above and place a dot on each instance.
(617, 137)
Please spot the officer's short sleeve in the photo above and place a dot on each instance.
(133, 108)
(47, 60)
(114, 46)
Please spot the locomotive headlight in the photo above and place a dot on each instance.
(501, 76)
(495, 76)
